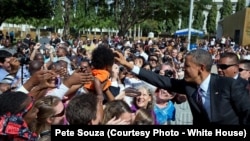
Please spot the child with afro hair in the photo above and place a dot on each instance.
(101, 62)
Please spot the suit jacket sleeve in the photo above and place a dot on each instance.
(163, 82)
(240, 98)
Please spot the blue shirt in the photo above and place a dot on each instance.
(3, 73)
(165, 114)
(206, 95)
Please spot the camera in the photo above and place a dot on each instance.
(169, 73)
(152, 50)
(57, 82)
(133, 50)
(24, 60)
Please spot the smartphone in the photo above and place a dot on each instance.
(57, 82)
(152, 50)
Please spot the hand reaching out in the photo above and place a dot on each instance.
(14, 64)
(122, 60)
(37, 46)
(41, 75)
(79, 77)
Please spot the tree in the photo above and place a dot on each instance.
(128, 13)
(241, 4)
(199, 18)
(211, 19)
(172, 25)
(24, 8)
(57, 20)
(199, 7)
(67, 4)
(226, 9)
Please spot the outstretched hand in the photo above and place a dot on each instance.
(122, 60)
(42, 75)
(14, 64)
(79, 77)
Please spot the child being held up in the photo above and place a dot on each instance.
(101, 62)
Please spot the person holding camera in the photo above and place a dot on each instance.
(8, 65)
(23, 73)
(140, 48)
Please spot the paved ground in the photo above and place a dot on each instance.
(214, 69)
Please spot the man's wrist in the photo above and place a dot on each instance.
(28, 85)
(67, 83)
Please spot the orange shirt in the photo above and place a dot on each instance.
(102, 75)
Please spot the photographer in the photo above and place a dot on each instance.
(22, 74)
(8, 65)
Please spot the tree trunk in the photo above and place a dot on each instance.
(66, 29)
(122, 32)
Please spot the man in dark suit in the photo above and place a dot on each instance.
(223, 100)
(244, 69)
(228, 66)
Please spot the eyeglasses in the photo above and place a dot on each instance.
(60, 114)
(224, 66)
(241, 69)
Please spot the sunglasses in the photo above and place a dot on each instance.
(60, 114)
(224, 66)
(241, 69)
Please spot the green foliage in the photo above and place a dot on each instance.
(172, 25)
(241, 4)
(128, 13)
(157, 16)
(226, 9)
(24, 8)
(211, 19)
(149, 26)
(184, 22)
(199, 18)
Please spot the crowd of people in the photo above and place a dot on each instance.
(119, 81)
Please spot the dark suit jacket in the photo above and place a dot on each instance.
(230, 101)
(244, 81)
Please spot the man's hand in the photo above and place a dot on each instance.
(37, 78)
(122, 60)
(15, 65)
(42, 75)
(37, 46)
(48, 81)
(79, 77)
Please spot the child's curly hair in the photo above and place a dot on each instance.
(102, 56)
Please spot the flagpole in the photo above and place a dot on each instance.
(190, 23)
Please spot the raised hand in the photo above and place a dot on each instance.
(79, 77)
(15, 65)
(41, 75)
(37, 46)
(122, 60)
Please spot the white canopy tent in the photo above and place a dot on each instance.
(183, 32)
